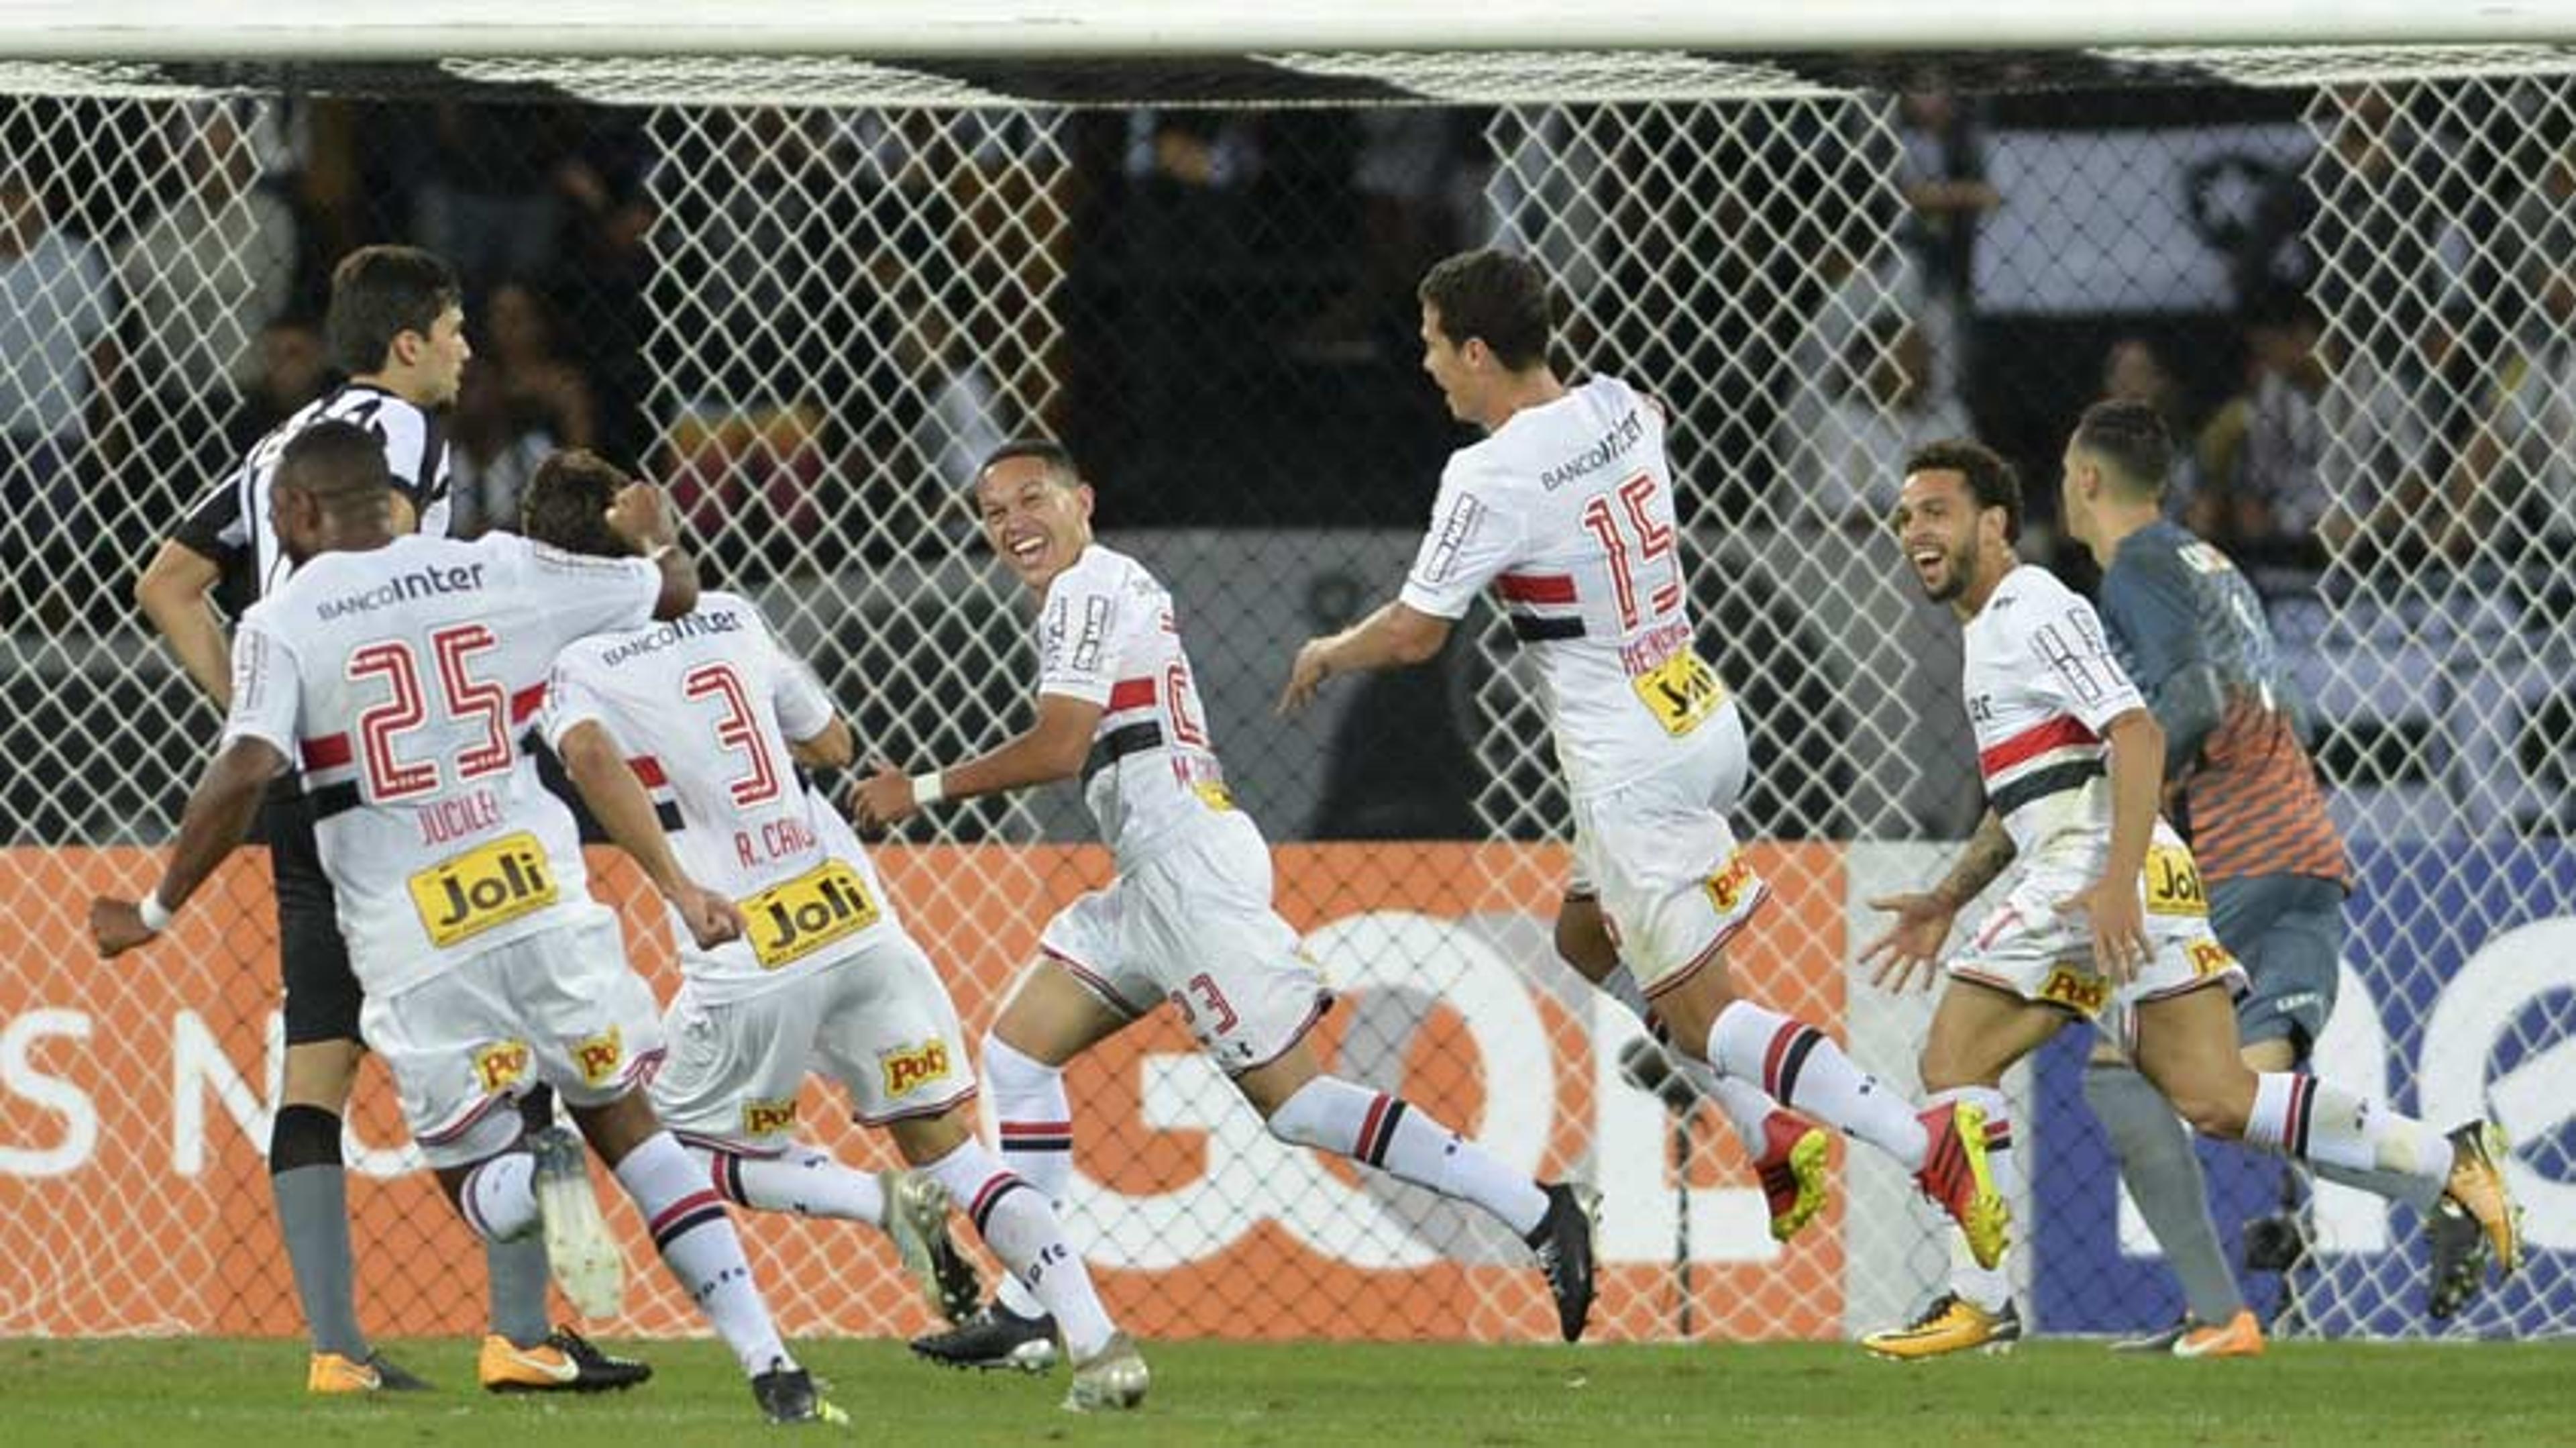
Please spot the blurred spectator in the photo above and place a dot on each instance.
(1416, 193)
(2277, 494)
(1845, 468)
(293, 367)
(493, 451)
(209, 270)
(2385, 424)
(56, 352)
(492, 197)
(540, 389)
(2515, 484)
(1194, 150)
(1942, 175)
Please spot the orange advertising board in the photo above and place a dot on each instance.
(134, 1098)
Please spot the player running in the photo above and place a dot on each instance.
(2073, 765)
(401, 670)
(1188, 919)
(705, 717)
(1565, 512)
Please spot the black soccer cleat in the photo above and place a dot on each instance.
(1563, 1242)
(2459, 1253)
(391, 1377)
(994, 1337)
(787, 1395)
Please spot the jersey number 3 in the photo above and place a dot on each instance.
(737, 729)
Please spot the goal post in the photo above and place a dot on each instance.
(808, 289)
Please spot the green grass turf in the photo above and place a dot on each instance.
(1308, 1395)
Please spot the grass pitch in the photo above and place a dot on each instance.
(228, 1392)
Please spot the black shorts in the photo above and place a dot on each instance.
(322, 994)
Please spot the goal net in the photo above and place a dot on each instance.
(809, 293)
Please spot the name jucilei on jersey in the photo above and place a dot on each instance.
(403, 678)
(1566, 512)
(2040, 684)
(1107, 635)
(705, 707)
(230, 523)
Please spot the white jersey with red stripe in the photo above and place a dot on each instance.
(704, 707)
(2040, 685)
(1107, 635)
(403, 678)
(1566, 513)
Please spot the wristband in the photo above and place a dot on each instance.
(927, 790)
(156, 916)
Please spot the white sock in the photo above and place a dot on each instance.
(1407, 1143)
(1036, 1123)
(800, 1180)
(500, 1197)
(2313, 1120)
(1798, 1066)
(697, 1242)
(1014, 1220)
(1746, 1108)
(1986, 1287)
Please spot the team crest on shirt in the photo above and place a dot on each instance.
(598, 1057)
(768, 1117)
(909, 1068)
(501, 1065)
(2080, 991)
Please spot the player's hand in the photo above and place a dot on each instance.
(883, 799)
(2119, 926)
(641, 514)
(1305, 676)
(712, 919)
(1911, 942)
(116, 926)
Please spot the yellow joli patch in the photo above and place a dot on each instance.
(793, 920)
(1680, 692)
(494, 884)
(2173, 882)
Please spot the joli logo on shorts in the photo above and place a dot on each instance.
(911, 1067)
(793, 920)
(767, 1118)
(598, 1057)
(501, 1065)
(494, 884)
(2077, 990)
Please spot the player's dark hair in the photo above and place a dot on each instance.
(336, 461)
(380, 292)
(1494, 295)
(1991, 480)
(1058, 459)
(2130, 440)
(566, 505)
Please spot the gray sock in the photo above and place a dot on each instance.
(2163, 1173)
(313, 1215)
(2396, 1186)
(519, 1289)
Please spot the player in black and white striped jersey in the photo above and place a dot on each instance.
(396, 325)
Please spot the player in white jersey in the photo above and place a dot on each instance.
(403, 670)
(1565, 513)
(396, 322)
(1189, 917)
(684, 738)
(2108, 921)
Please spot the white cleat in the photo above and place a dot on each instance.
(584, 1257)
(1111, 1380)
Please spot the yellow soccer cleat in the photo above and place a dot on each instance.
(2239, 1336)
(332, 1375)
(1951, 1324)
(565, 1362)
(2477, 1183)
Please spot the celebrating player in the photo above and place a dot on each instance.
(1565, 511)
(401, 670)
(708, 711)
(396, 323)
(2109, 920)
(1189, 917)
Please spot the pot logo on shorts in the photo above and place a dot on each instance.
(598, 1057)
(1732, 882)
(2208, 958)
(2080, 991)
(768, 1118)
(464, 895)
(908, 1068)
(793, 920)
(501, 1065)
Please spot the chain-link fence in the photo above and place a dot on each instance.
(809, 295)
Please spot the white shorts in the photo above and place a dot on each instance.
(1671, 876)
(879, 1021)
(2024, 947)
(560, 1006)
(1194, 926)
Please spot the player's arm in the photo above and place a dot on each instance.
(172, 590)
(833, 748)
(1397, 635)
(1051, 749)
(617, 799)
(1914, 939)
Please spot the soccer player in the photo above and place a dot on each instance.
(402, 670)
(2189, 631)
(2109, 920)
(396, 324)
(1188, 919)
(710, 713)
(1565, 511)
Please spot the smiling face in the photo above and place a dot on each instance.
(1957, 549)
(1450, 367)
(1037, 518)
